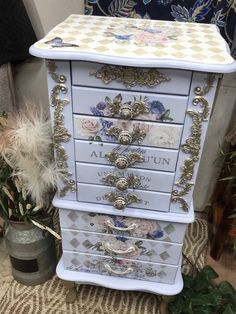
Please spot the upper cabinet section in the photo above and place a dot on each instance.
(135, 42)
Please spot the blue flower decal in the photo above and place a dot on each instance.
(122, 37)
(96, 112)
(122, 239)
(156, 107)
(101, 105)
(156, 234)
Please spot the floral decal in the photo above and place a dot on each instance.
(157, 111)
(120, 243)
(147, 229)
(95, 129)
(221, 13)
(142, 36)
(139, 270)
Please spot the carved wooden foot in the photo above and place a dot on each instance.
(71, 294)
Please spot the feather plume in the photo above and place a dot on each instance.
(26, 145)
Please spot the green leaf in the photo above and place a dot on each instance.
(228, 178)
(209, 272)
(98, 138)
(226, 288)
(228, 310)
(90, 138)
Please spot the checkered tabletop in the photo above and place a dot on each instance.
(135, 38)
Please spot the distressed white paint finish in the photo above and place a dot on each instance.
(144, 228)
(141, 270)
(154, 158)
(179, 80)
(149, 180)
(158, 201)
(144, 250)
(198, 80)
(161, 135)
(92, 101)
(63, 68)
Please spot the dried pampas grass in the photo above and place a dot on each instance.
(26, 145)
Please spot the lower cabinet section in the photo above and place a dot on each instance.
(121, 246)
(119, 267)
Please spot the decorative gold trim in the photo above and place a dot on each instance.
(202, 91)
(60, 133)
(192, 144)
(130, 76)
(60, 79)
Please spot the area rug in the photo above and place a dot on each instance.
(49, 298)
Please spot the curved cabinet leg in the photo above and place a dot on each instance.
(71, 294)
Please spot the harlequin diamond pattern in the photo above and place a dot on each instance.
(164, 255)
(169, 228)
(73, 216)
(74, 242)
(130, 37)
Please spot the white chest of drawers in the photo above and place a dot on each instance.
(130, 103)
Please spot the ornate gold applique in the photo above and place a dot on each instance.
(192, 144)
(60, 133)
(130, 76)
(126, 137)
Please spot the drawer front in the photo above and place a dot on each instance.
(124, 268)
(154, 158)
(149, 200)
(121, 246)
(154, 134)
(134, 178)
(121, 225)
(127, 105)
(178, 84)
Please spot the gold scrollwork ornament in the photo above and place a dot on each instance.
(122, 183)
(121, 201)
(130, 76)
(192, 145)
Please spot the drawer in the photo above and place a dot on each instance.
(155, 134)
(121, 225)
(121, 246)
(108, 175)
(179, 83)
(141, 106)
(154, 158)
(150, 200)
(124, 268)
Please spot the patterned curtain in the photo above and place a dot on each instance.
(220, 12)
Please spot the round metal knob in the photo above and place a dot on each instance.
(125, 138)
(126, 111)
(122, 162)
(120, 203)
(122, 184)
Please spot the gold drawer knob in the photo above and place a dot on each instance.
(125, 137)
(123, 161)
(126, 111)
(121, 201)
(122, 183)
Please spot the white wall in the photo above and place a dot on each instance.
(30, 76)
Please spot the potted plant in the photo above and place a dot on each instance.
(28, 178)
(201, 295)
(222, 213)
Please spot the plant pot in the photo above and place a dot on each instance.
(31, 251)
